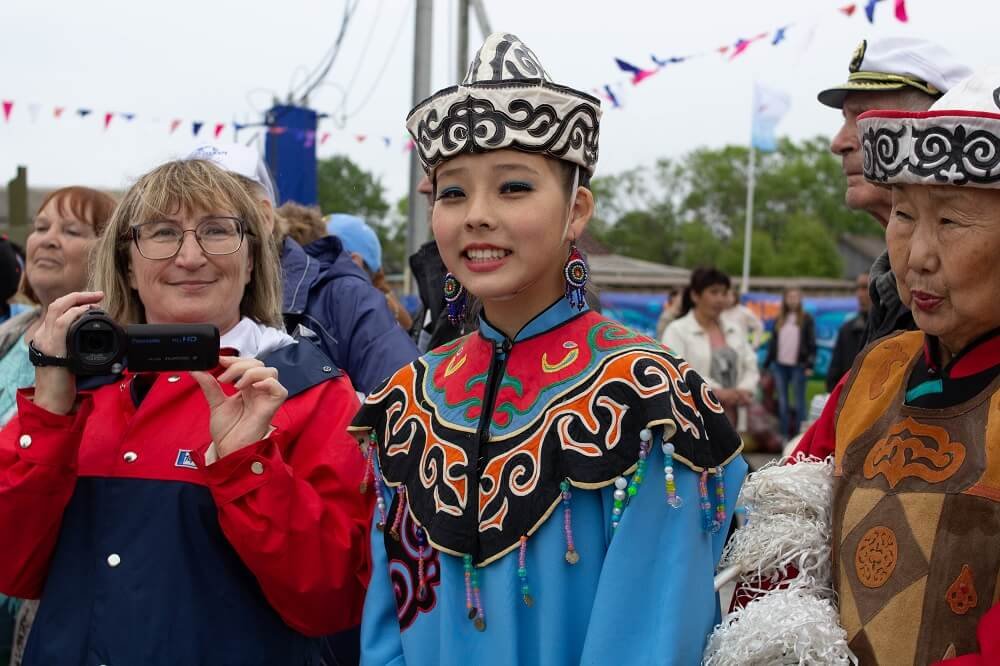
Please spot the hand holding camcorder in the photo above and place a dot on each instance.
(97, 345)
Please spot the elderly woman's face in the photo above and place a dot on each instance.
(193, 286)
(57, 252)
(944, 247)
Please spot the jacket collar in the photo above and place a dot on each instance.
(300, 273)
(692, 326)
(551, 317)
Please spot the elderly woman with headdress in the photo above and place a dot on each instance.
(915, 518)
(184, 518)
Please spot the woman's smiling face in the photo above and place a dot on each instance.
(503, 222)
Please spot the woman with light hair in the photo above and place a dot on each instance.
(197, 518)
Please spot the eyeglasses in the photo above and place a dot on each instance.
(162, 239)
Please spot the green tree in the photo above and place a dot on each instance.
(692, 211)
(344, 187)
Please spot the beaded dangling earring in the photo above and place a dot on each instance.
(454, 298)
(577, 273)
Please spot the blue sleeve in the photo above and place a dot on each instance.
(380, 639)
(656, 601)
(371, 345)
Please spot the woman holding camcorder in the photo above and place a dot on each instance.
(197, 518)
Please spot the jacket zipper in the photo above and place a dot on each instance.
(498, 361)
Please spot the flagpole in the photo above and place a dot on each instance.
(748, 227)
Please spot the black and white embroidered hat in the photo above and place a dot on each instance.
(955, 142)
(507, 100)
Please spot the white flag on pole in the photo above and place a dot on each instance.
(769, 107)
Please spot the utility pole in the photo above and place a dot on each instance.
(462, 46)
(417, 224)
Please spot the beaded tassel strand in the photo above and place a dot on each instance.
(421, 578)
(707, 520)
(720, 496)
(369, 457)
(571, 555)
(467, 569)
(379, 497)
(668, 476)
(479, 621)
(398, 520)
(626, 490)
(522, 572)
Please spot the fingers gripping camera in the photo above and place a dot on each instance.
(97, 345)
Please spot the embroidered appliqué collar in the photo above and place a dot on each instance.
(569, 405)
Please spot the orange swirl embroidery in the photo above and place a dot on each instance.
(927, 453)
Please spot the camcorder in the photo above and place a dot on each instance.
(97, 345)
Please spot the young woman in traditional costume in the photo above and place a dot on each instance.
(553, 488)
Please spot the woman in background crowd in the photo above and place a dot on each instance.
(791, 353)
(57, 258)
(715, 347)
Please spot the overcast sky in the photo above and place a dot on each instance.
(220, 61)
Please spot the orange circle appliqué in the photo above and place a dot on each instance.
(876, 556)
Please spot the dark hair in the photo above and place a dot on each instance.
(569, 170)
(702, 278)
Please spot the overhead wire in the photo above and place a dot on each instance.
(385, 64)
(349, 10)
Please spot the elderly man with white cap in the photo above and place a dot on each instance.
(326, 295)
(890, 73)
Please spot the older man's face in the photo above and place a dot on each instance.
(944, 244)
(862, 195)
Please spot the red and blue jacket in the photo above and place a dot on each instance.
(143, 554)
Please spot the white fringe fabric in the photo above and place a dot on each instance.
(788, 524)
(787, 626)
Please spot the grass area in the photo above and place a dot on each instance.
(814, 387)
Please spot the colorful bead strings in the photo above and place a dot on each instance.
(479, 621)
(707, 519)
(668, 476)
(379, 497)
(421, 578)
(522, 572)
(369, 455)
(467, 569)
(400, 508)
(626, 490)
(473, 602)
(571, 555)
(720, 496)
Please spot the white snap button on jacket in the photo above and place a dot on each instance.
(25, 441)
(130, 456)
(257, 467)
(173, 378)
(114, 559)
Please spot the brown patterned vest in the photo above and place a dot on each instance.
(916, 513)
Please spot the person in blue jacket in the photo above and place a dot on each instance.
(326, 296)
(553, 488)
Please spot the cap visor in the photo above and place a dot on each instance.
(834, 97)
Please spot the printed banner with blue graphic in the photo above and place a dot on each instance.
(642, 311)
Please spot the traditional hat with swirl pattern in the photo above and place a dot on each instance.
(507, 100)
(955, 142)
